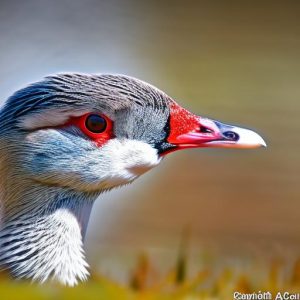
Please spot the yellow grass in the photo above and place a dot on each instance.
(206, 284)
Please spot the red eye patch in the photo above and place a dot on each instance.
(97, 127)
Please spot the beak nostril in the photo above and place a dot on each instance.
(203, 129)
(230, 135)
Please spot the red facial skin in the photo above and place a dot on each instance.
(186, 129)
(99, 138)
(181, 122)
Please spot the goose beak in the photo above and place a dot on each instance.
(235, 137)
(190, 131)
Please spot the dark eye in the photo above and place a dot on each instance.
(95, 123)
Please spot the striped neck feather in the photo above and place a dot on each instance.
(46, 243)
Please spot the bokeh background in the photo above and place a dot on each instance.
(236, 61)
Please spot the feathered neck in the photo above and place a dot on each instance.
(42, 233)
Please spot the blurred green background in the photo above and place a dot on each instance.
(236, 61)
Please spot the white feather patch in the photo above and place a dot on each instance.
(49, 118)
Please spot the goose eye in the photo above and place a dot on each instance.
(95, 123)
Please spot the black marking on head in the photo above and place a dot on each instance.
(164, 145)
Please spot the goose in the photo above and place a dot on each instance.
(68, 138)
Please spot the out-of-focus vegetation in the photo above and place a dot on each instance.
(144, 283)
